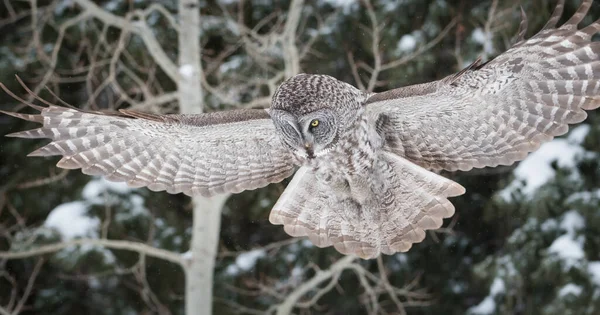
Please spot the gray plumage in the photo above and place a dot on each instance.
(363, 184)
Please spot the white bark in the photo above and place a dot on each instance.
(290, 49)
(200, 267)
(207, 211)
(190, 91)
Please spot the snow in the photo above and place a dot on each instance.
(407, 43)
(245, 261)
(594, 270)
(485, 39)
(134, 209)
(187, 255)
(402, 258)
(232, 270)
(94, 282)
(95, 193)
(177, 240)
(390, 6)
(567, 248)
(186, 70)
(97, 187)
(457, 288)
(497, 287)
(536, 170)
(297, 272)
(584, 196)
(507, 265)
(290, 257)
(572, 222)
(345, 5)
(108, 257)
(578, 134)
(549, 225)
(307, 243)
(232, 64)
(487, 306)
(570, 289)
(478, 36)
(340, 3)
(70, 221)
(137, 203)
(112, 5)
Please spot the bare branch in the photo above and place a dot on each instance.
(138, 27)
(293, 298)
(113, 244)
(421, 49)
(354, 69)
(374, 45)
(44, 181)
(29, 287)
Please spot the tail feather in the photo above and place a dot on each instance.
(408, 201)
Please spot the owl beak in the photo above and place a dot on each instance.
(309, 150)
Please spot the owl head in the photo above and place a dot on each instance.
(310, 111)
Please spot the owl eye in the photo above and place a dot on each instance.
(314, 123)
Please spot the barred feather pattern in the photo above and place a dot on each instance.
(496, 114)
(204, 154)
(406, 200)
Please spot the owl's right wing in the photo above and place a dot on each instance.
(496, 113)
(203, 154)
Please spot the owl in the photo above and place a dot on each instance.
(364, 163)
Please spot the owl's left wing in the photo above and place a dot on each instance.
(203, 154)
(496, 113)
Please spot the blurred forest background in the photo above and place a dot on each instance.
(524, 240)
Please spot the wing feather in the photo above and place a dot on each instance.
(496, 113)
(203, 154)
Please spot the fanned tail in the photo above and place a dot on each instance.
(405, 201)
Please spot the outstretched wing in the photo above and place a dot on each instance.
(203, 154)
(495, 114)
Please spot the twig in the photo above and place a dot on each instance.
(29, 287)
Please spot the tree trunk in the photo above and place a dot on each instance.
(200, 268)
(207, 211)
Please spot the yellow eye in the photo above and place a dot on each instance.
(314, 123)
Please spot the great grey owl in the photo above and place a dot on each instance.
(364, 183)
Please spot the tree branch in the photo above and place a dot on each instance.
(422, 49)
(137, 27)
(113, 244)
(292, 299)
